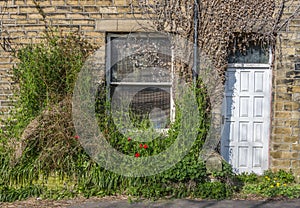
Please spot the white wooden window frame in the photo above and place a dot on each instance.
(108, 74)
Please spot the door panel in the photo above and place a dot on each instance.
(245, 138)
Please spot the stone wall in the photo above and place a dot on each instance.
(285, 139)
(23, 22)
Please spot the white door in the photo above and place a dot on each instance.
(245, 139)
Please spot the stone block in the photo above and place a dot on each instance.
(295, 163)
(88, 28)
(90, 9)
(296, 147)
(121, 25)
(104, 2)
(281, 89)
(10, 9)
(35, 16)
(275, 154)
(284, 96)
(295, 114)
(50, 9)
(214, 163)
(26, 22)
(279, 106)
(278, 123)
(17, 34)
(128, 10)
(66, 9)
(58, 22)
(120, 2)
(92, 34)
(5, 59)
(288, 51)
(296, 173)
(290, 155)
(6, 103)
(296, 97)
(281, 163)
(296, 132)
(283, 131)
(112, 16)
(99, 42)
(280, 146)
(76, 9)
(34, 27)
(132, 25)
(77, 15)
(106, 25)
(108, 10)
(44, 3)
(292, 123)
(5, 65)
(60, 16)
(288, 106)
(19, 16)
(20, 2)
(96, 16)
(76, 2)
(290, 139)
(83, 22)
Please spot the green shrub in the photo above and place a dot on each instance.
(214, 190)
(247, 177)
(46, 72)
(46, 75)
(226, 175)
(271, 184)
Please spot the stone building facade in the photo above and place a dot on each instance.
(284, 141)
(22, 22)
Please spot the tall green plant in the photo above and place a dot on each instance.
(45, 76)
(46, 72)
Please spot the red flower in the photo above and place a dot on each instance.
(137, 154)
(145, 146)
(129, 139)
(76, 137)
(141, 145)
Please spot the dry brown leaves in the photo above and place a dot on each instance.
(220, 23)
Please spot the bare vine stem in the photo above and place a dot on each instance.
(289, 18)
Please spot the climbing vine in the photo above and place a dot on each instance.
(220, 23)
(222, 28)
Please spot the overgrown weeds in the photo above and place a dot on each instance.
(49, 161)
(271, 184)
